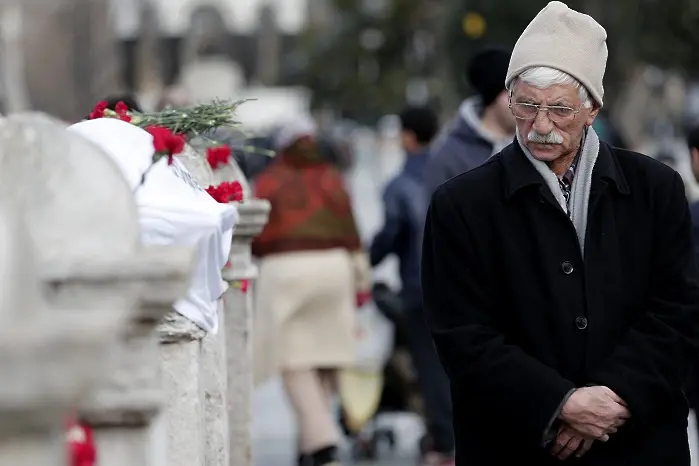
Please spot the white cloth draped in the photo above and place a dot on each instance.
(173, 210)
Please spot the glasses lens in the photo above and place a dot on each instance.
(524, 111)
(560, 113)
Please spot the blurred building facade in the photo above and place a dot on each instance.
(64, 55)
(259, 36)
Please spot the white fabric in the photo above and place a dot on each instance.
(173, 210)
(582, 182)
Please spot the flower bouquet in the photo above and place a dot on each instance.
(173, 128)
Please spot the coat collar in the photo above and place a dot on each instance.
(520, 173)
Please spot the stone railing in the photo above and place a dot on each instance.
(88, 320)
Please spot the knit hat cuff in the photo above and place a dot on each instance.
(538, 63)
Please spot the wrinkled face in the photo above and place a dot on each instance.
(558, 132)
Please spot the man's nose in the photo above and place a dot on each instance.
(542, 122)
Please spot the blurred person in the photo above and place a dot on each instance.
(405, 204)
(559, 279)
(483, 126)
(692, 387)
(312, 273)
(693, 143)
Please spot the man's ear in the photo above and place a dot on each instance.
(593, 114)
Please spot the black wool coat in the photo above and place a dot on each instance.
(520, 318)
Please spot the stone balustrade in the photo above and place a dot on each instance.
(88, 324)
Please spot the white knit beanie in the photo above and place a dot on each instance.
(566, 40)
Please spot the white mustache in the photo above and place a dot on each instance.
(551, 138)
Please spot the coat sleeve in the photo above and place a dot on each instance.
(461, 313)
(650, 365)
(384, 243)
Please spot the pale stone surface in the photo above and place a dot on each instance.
(215, 395)
(55, 176)
(239, 308)
(182, 380)
(46, 358)
(84, 227)
(193, 422)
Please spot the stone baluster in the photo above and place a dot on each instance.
(87, 238)
(238, 306)
(194, 369)
(50, 358)
(228, 414)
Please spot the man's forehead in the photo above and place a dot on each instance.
(523, 90)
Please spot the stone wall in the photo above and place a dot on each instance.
(87, 316)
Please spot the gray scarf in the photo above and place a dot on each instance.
(580, 191)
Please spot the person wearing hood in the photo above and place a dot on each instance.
(483, 126)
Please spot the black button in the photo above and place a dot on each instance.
(581, 323)
(567, 267)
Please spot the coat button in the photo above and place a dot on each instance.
(581, 323)
(567, 267)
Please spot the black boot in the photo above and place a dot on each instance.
(324, 457)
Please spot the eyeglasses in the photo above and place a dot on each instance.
(555, 113)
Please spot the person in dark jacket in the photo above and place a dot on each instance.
(483, 126)
(692, 387)
(405, 209)
(693, 142)
(559, 279)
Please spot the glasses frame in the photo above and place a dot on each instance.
(547, 109)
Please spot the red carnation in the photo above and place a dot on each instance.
(123, 111)
(81, 444)
(244, 285)
(165, 142)
(98, 111)
(218, 155)
(226, 192)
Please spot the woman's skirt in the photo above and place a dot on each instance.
(304, 312)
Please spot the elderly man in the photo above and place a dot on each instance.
(559, 278)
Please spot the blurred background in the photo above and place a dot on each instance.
(350, 64)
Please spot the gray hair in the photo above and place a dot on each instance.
(542, 77)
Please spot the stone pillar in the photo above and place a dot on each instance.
(86, 235)
(68, 45)
(180, 359)
(238, 307)
(48, 360)
(195, 422)
(122, 411)
(149, 80)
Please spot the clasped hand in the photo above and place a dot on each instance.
(589, 414)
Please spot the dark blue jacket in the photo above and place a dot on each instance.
(405, 204)
(694, 208)
(463, 147)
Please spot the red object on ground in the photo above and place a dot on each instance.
(81, 444)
